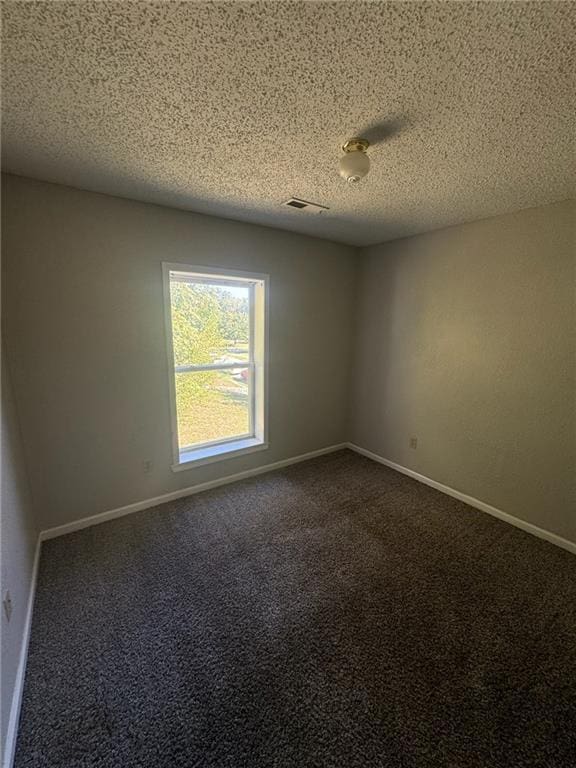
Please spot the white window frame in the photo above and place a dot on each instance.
(257, 439)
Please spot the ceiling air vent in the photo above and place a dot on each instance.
(305, 205)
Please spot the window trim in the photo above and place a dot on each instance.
(219, 450)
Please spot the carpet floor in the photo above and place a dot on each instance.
(334, 614)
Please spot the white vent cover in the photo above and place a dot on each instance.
(304, 206)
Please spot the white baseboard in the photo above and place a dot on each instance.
(12, 729)
(553, 538)
(103, 517)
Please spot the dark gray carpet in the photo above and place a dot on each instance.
(334, 614)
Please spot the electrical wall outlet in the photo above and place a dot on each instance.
(414, 442)
(147, 466)
(7, 603)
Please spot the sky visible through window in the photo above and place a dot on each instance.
(239, 291)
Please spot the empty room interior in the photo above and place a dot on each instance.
(288, 384)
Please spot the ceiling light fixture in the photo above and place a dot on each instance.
(355, 163)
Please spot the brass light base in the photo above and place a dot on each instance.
(356, 145)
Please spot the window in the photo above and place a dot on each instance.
(217, 350)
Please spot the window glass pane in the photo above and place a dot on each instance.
(210, 323)
(212, 405)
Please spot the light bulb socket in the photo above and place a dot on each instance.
(356, 145)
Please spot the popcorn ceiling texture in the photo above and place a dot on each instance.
(231, 108)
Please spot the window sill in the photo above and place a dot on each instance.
(198, 456)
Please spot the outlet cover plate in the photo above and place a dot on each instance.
(7, 603)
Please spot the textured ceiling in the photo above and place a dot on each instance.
(229, 108)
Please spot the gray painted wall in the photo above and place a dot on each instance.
(86, 340)
(466, 339)
(19, 535)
